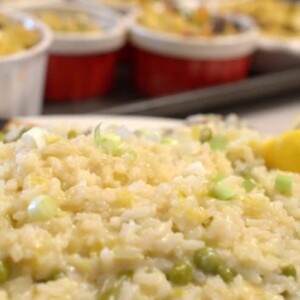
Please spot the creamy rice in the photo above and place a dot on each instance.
(129, 208)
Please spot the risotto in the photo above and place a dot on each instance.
(112, 214)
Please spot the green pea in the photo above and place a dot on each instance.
(4, 271)
(199, 255)
(110, 294)
(82, 26)
(2, 136)
(181, 273)
(249, 185)
(226, 273)
(284, 184)
(168, 141)
(72, 134)
(289, 270)
(205, 135)
(207, 260)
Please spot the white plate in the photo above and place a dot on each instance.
(270, 121)
(87, 121)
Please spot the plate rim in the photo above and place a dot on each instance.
(94, 119)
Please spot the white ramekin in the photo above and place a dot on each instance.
(22, 75)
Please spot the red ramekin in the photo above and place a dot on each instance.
(169, 63)
(82, 65)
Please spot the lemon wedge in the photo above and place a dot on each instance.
(283, 152)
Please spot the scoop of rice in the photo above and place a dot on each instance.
(123, 216)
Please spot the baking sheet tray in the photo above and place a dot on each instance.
(256, 89)
(126, 100)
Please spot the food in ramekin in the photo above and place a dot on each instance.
(15, 36)
(68, 21)
(166, 17)
(181, 214)
(199, 48)
(277, 18)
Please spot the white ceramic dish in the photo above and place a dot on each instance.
(268, 121)
(271, 121)
(22, 75)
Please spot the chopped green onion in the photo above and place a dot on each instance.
(110, 143)
(289, 270)
(205, 135)
(52, 277)
(222, 191)
(4, 271)
(97, 135)
(133, 154)
(35, 138)
(283, 184)
(181, 273)
(168, 141)
(218, 178)
(218, 143)
(2, 136)
(249, 184)
(72, 134)
(42, 208)
(14, 134)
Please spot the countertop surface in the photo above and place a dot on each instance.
(274, 117)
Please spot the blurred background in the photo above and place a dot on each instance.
(169, 58)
